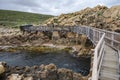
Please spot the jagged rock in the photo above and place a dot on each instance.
(28, 78)
(77, 76)
(55, 35)
(70, 35)
(42, 67)
(51, 71)
(15, 77)
(79, 54)
(48, 72)
(65, 74)
(117, 30)
(27, 69)
(44, 72)
(113, 12)
(50, 67)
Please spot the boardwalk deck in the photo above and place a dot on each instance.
(110, 65)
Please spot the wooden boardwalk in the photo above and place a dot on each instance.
(110, 65)
(106, 61)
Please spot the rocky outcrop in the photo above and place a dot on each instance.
(43, 72)
(99, 17)
(9, 31)
(113, 12)
(21, 40)
(36, 44)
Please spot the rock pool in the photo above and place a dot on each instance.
(61, 60)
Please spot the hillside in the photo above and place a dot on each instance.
(99, 17)
(15, 18)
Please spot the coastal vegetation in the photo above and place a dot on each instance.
(14, 19)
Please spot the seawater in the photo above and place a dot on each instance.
(61, 60)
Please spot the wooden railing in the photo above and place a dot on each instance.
(98, 57)
(99, 38)
(112, 39)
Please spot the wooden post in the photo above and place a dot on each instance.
(119, 61)
(99, 33)
(94, 73)
(88, 32)
(93, 36)
(112, 37)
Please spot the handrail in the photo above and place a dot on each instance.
(96, 64)
(95, 73)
